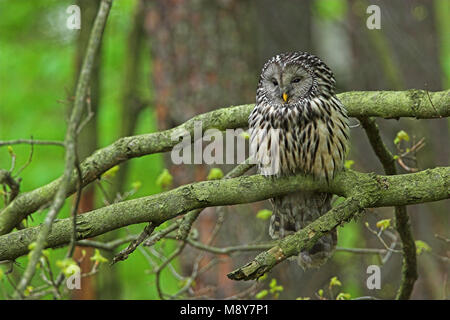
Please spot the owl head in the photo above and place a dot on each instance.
(291, 78)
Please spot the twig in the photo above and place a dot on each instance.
(386, 104)
(295, 243)
(69, 142)
(32, 142)
(6, 178)
(190, 217)
(30, 158)
(402, 223)
(123, 255)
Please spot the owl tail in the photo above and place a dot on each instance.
(295, 211)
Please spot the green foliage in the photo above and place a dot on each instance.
(349, 163)
(383, 224)
(164, 180)
(401, 136)
(98, 258)
(215, 174)
(334, 282)
(111, 173)
(422, 246)
(275, 289)
(68, 266)
(264, 214)
(343, 296)
(136, 185)
(245, 135)
(40, 50)
(320, 293)
(262, 294)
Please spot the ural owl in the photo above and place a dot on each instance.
(299, 125)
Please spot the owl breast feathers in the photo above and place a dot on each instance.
(299, 125)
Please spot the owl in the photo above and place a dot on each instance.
(298, 125)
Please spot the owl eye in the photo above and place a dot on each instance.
(274, 81)
(296, 80)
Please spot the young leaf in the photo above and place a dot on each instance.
(422, 246)
(349, 163)
(384, 224)
(245, 135)
(335, 282)
(68, 266)
(136, 185)
(98, 258)
(165, 179)
(343, 296)
(401, 135)
(261, 294)
(11, 151)
(215, 174)
(111, 172)
(263, 277)
(264, 214)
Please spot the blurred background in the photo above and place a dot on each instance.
(164, 61)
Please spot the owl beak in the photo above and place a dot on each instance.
(285, 97)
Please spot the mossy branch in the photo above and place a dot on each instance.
(370, 190)
(301, 240)
(385, 104)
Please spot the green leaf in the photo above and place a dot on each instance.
(46, 253)
(349, 163)
(165, 179)
(273, 283)
(215, 174)
(68, 266)
(401, 135)
(384, 224)
(335, 282)
(264, 214)
(98, 258)
(303, 298)
(11, 151)
(28, 291)
(111, 173)
(263, 277)
(422, 246)
(2, 274)
(343, 296)
(245, 135)
(320, 293)
(274, 288)
(136, 185)
(261, 294)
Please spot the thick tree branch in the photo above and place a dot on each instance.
(385, 104)
(190, 217)
(371, 191)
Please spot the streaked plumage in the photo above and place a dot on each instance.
(299, 125)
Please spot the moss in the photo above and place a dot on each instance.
(361, 190)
